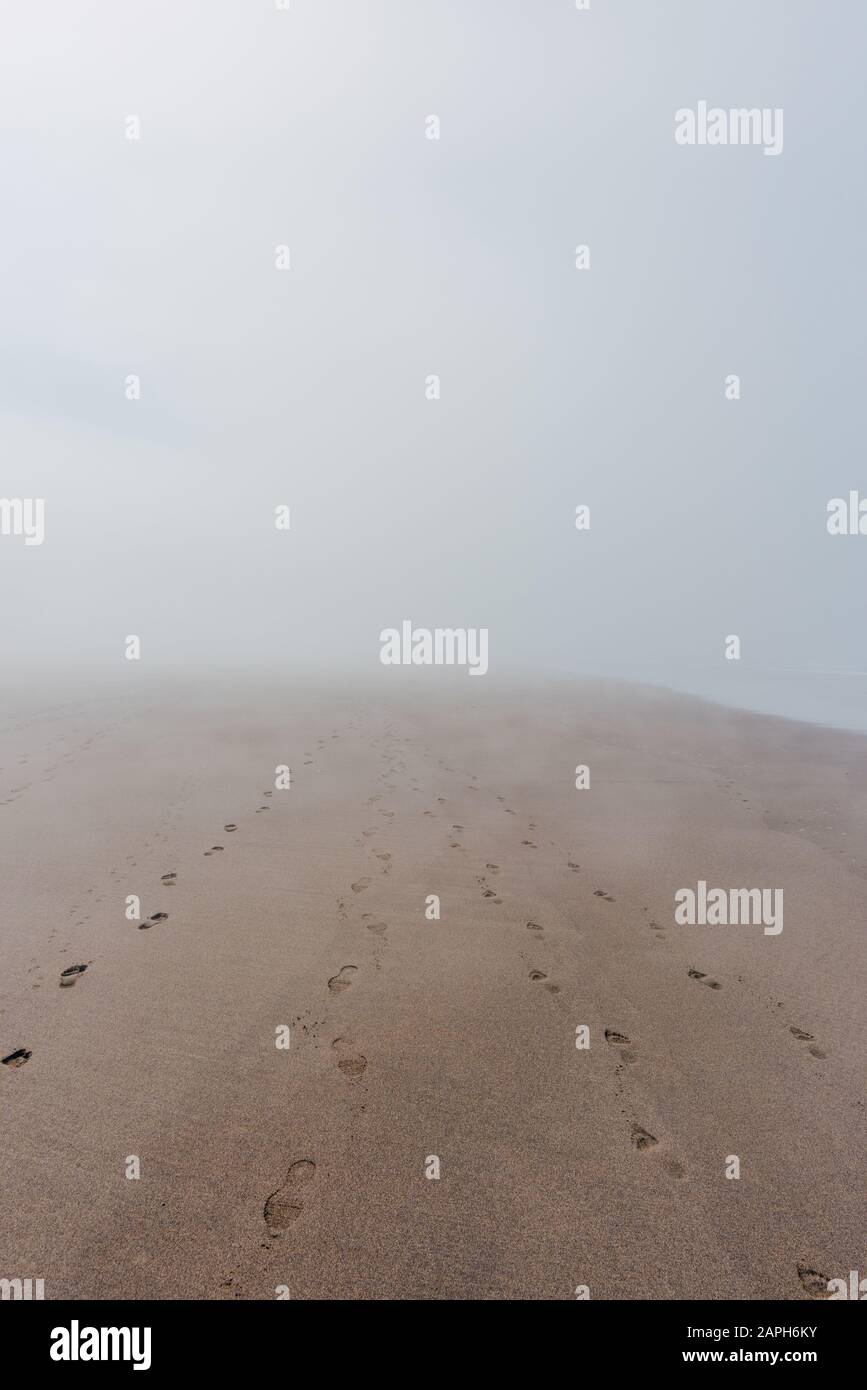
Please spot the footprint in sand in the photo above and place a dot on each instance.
(494, 868)
(601, 893)
(615, 1039)
(573, 866)
(70, 974)
(268, 793)
(212, 850)
(529, 844)
(262, 808)
(808, 1037)
(378, 928)
(284, 1206)
(813, 1282)
(382, 854)
(169, 880)
(154, 917)
(17, 1058)
(343, 979)
(534, 926)
(539, 977)
(642, 1139)
(360, 885)
(350, 1062)
(230, 827)
(697, 975)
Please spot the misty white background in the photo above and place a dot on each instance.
(261, 127)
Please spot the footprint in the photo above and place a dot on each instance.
(641, 1139)
(814, 1283)
(530, 844)
(18, 1058)
(230, 827)
(381, 854)
(601, 893)
(360, 885)
(489, 893)
(342, 980)
(539, 976)
(623, 1042)
(380, 928)
(154, 917)
(168, 880)
(534, 926)
(350, 1062)
(494, 868)
(808, 1037)
(71, 973)
(697, 975)
(574, 867)
(284, 1206)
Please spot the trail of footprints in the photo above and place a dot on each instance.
(285, 1205)
(72, 973)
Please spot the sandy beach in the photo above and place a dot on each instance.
(410, 1038)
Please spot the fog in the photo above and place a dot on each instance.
(410, 257)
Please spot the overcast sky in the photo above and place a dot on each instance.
(408, 257)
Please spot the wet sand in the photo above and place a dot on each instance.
(305, 1168)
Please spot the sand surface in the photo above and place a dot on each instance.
(264, 1167)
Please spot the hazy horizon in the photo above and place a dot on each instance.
(259, 128)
